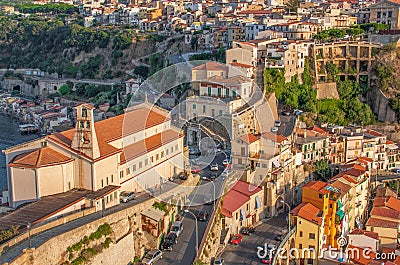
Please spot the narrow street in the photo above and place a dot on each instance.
(246, 251)
(184, 252)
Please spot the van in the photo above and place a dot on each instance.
(177, 228)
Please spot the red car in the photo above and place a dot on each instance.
(236, 239)
(195, 169)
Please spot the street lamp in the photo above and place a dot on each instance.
(197, 232)
(282, 201)
(29, 234)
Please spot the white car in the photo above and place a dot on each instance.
(274, 129)
(126, 196)
(177, 228)
(214, 167)
(225, 162)
(152, 256)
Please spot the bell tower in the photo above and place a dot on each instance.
(85, 140)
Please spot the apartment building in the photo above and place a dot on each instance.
(140, 151)
(236, 32)
(288, 55)
(266, 159)
(242, 206)
(386, 12)
(313, 145)
(327, 199)
(309, 221)
(297, 30)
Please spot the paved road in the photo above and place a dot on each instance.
(184, 252)
(246, 251)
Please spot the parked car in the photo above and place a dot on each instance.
(274, 129)
(236, 239)
(214, 167)
(396, 170)
(245, 231)
(169, 241)
(126, 196)
(225, 162)
(208, 199)
(286, 113)
(194, 151)
(202, 215)
(278, 237)
(278, 123)
(152, 256)
(218, 261)
(195, 169)
(177, 228)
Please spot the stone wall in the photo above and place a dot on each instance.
(127, 238)
(327, 90)
(380, 105)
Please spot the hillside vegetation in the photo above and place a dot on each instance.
(70, 49)
(387, 71)
(348, 109)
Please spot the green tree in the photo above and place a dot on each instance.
(348, 89)
(332, 70)
(141, 70)
(358, 112)
(64, 90)
(322, 169)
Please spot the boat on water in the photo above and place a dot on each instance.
(28, 128)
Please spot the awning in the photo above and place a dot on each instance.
(258, 202)
(276, 163)
(242, 214)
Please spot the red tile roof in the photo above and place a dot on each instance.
(385, 212)
(249, 138)
(43, 157)
(308, 212)
(365, 233)
(246, 188)
(375, 222)
(342, 187)
(150, 143)
(233, 200)
(274, 137)
(317, 186)
(397, 260)
(238, 195)
(122, 125)
(240, 65)
(393, 203)
(374, 133)
(356, 255)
